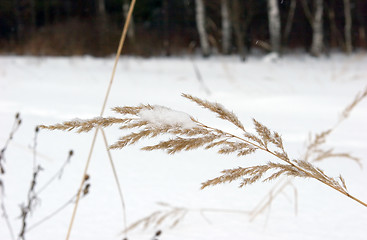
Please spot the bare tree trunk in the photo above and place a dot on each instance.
(318, 35)
(226, 27)
(348, 27)
(200, 24)
(289, 23)
(274, 25)
(315, 20)
(237, 29)
(131, 30)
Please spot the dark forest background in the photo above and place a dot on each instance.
(169, 27)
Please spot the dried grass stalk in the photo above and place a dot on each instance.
(170, 216)
(188, 134)
(315, 151)
(86, 125)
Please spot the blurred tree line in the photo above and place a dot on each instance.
(166, 27)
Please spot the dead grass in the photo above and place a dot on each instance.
(200, 135)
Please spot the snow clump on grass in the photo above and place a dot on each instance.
(161, 116)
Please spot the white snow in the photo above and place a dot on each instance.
(294, 95)
(271, 57)
(161, 116)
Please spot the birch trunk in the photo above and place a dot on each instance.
(274, 25)
(348, 27)
(226, 27)
(200, 24)
(317, 37)
(315, 20)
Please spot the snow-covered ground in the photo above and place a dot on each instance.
(296, 95)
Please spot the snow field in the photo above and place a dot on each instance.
(294, 95)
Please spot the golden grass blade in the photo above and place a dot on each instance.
(217, 108)
(86, 125)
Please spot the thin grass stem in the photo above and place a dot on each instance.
(121, 44)
(82, 184)
(119, 50)
(54, 213)
(8, 224)
(56, 175)
(116, 180)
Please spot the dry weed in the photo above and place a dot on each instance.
(315, 151)
(16, 125)
(169, 216)
(188, 134)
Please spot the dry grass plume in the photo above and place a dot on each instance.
(200, 135)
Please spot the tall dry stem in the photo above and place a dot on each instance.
(119, 50)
